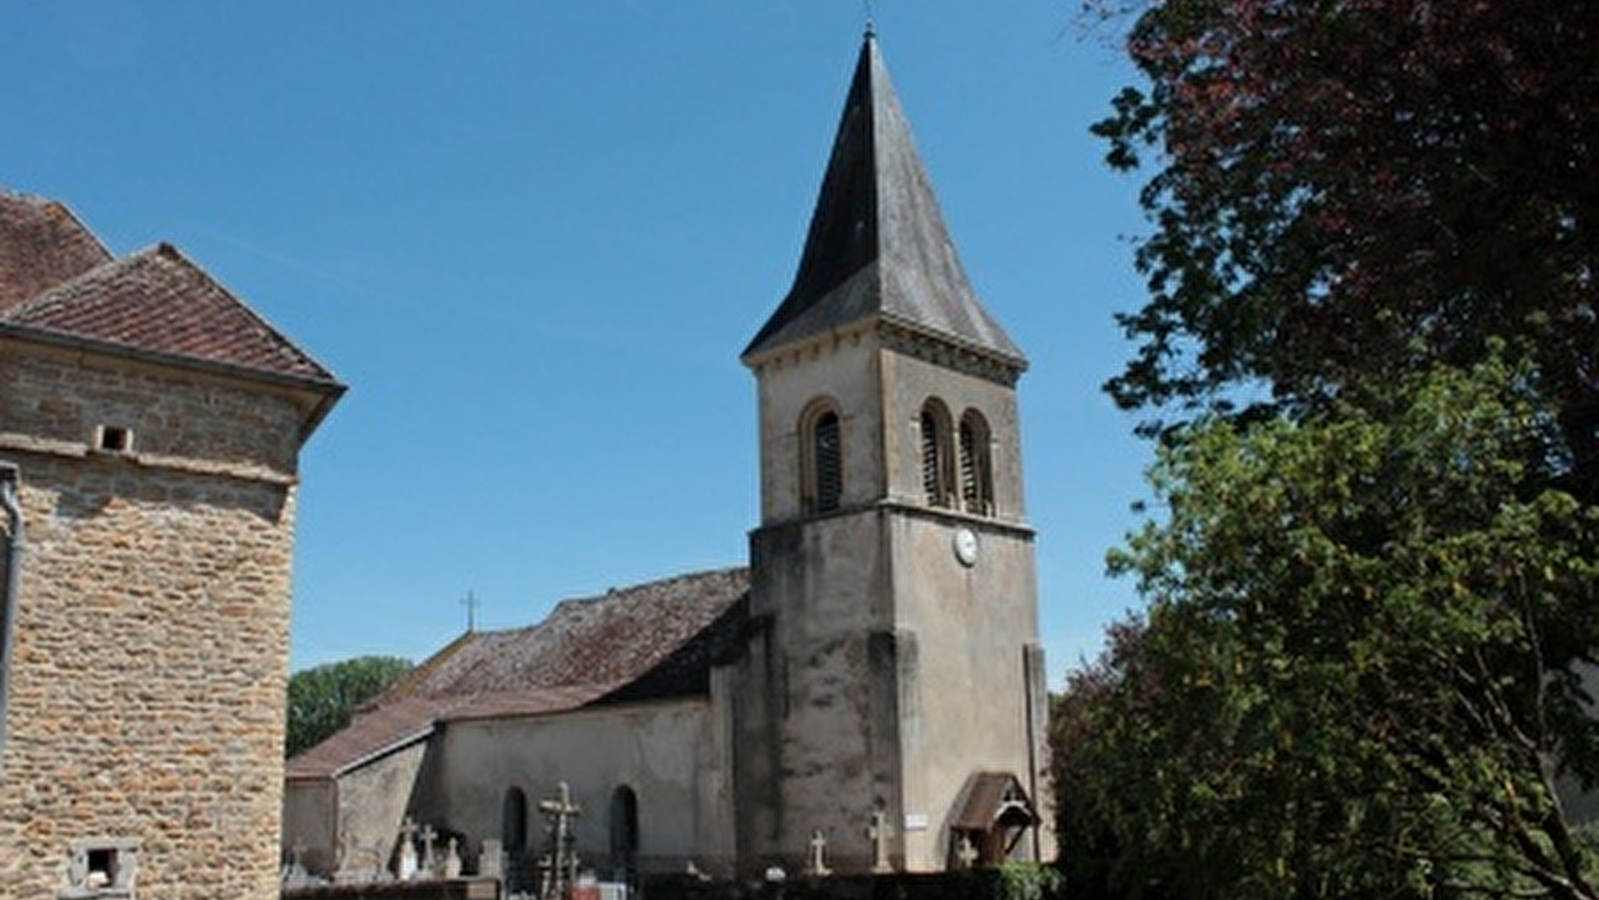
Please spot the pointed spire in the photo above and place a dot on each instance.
(878, 246)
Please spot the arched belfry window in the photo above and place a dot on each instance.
(822, 470)
(938, 471)
(976, 465)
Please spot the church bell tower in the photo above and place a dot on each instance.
(892, 696)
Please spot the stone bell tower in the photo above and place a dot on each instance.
(892, 694)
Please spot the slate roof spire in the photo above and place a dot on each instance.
(878, 246)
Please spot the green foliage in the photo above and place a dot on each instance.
(1371, 348)
(322, 699)
(1348, 191)
(1358, 671)
(1029, 881)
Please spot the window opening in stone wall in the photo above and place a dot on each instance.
(114, 439)
(513, 838)
(624, 827)
(513, 821)
(938, 482)
(103, 862)
(823, 485)
(977, 476)
(102, 868)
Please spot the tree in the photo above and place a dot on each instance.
(323, 699)
(1358, 674)
(1348, 190)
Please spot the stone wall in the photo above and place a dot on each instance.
(151, 645)
(372, 803)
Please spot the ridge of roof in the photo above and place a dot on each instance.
(408, 683)
(612, 637)
(878, 244)
(159, 301)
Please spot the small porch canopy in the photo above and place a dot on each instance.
(993, 817)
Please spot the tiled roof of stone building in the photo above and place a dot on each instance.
(57, 281)
(877, 245)
(41, 245)
(650, 641)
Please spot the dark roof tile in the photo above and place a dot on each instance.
(159, 301)
(614, 638)
(370, 733)
(41, 245)
(651, 641)
(992, 799)
(878, 245)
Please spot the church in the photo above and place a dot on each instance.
(871, 681)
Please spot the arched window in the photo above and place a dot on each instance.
(938, 475)
(977, 471)
(624, 826)
(513, 821)
(822, 476)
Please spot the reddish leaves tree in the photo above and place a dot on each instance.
(1349, 189)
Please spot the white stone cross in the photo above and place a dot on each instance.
(428, 837)
(407, 866)
(880, 832)
(966, 853)
(818, 864)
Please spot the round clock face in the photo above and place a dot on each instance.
(966, 546)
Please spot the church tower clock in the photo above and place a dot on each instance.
(892, 696)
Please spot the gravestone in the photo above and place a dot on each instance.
(406, 868)
(558, 868)
(966, 854)
(818, 861)
(491, 860)
(880, 832)
(452, 860)
(428, 866)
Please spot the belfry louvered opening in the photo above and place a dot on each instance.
(976, 466)
(821, 457)
(938, 476)
(827, 462)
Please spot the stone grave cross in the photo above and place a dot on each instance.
(562, 858)
(407, 864)
(966, 853)
(428, 837)
(880, 832)
(818, 863)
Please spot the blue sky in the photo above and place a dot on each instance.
(533, 237)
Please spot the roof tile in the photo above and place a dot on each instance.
(159, 301)
(41, 245)
(649, 641)
(877, 244)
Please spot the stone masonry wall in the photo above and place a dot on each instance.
(146, 696)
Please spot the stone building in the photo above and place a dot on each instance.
(872, 682)
(150, 425)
